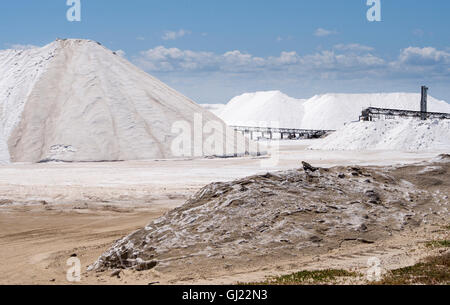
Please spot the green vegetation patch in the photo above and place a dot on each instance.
(433, 271)
(438, 244)
(309, 277)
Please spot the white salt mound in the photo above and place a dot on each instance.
(400, 135)
(328, 111)
(271, 108)
(75, 100)
(4, 154)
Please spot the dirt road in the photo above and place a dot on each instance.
(35, 243)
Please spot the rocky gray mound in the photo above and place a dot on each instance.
(283, 213)
(444, 157)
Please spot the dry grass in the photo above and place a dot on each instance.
(432, 271)
(438, 244)
(309, 277)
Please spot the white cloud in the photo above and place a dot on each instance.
(331, 61)
(424, 56)
(162, 59)
(344, 67)
(426, 62)
(172, 59)
(352, 61)
(239, 62)
(353, 47)
(320, 32)
(172, 35)
(286, 58)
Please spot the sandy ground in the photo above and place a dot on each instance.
(49, 212)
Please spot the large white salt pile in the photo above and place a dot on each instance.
(400, 135)
(264, 108)
(328, 111)
(4, 154)
(214, 108)
(75, 100)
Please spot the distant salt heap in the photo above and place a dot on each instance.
(264, 108)
(400, 135)
(75, 100)
(328, 111)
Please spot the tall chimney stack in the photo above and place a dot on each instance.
(424, 102)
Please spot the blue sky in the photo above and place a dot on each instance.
(212, 50)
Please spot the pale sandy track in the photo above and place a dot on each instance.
(34, 245)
